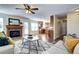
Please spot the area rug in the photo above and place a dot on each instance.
(23, 48)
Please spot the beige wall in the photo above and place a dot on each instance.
(73, 23)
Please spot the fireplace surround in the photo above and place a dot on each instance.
(14, 30)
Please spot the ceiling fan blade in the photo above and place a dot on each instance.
(20, 8)
(34, 9)
(28, 6)
(32, 12)
(24, 5)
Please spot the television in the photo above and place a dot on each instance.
(12, 21)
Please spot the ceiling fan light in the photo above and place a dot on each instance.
(28, 11)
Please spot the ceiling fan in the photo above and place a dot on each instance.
(28, 9)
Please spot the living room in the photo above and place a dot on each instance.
(35, 29)
(17, 27)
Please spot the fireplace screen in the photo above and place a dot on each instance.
(14, 33)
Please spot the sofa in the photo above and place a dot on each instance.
(8, 49)
(60, 48)
(6, 44)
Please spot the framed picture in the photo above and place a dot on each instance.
(12, 21)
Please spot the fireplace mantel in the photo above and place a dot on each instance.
(12, 28)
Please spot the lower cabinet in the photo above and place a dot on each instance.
(49, 35)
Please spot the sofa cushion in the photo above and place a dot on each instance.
(8, 49)
(60, 44)
(55, 50)
(58, 48)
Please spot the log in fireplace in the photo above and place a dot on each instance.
(14, 30)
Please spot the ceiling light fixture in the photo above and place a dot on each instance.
(28, 11)
(77, 10)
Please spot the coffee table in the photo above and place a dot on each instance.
(34, 42)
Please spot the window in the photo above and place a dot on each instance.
(34, 26)
(1, 24)
(25, 27)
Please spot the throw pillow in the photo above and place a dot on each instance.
(70, 43)
(3, 41)
(2, 34)
(68, 37)
(11, 41)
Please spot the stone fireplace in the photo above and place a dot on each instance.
(14, 30)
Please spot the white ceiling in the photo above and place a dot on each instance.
(45, 10)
